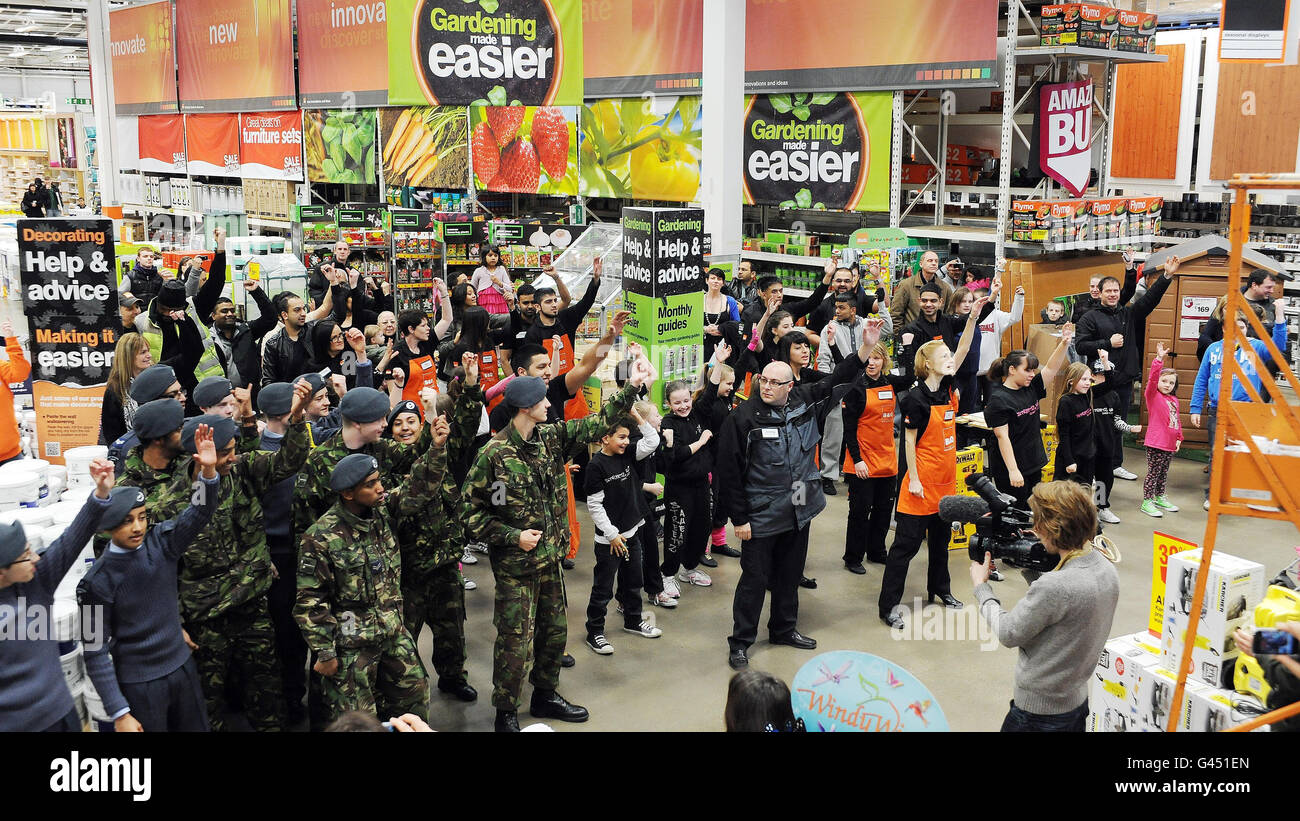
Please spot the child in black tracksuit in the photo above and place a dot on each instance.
(1109, 430)
(687, 464)
(1076, 448)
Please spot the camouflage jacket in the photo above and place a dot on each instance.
(517, 484)
(135, 473)
(312, 495)
(350, 567)
(228, 565)
(432, 536)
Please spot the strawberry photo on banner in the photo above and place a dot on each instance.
(525, 149)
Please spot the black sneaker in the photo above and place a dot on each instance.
(567, 564)
(598, 644)
(828, 487)
(708, 561)
(567, 660)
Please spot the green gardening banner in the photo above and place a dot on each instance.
(485, 52)
(827, 151)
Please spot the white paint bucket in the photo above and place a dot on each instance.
(34, 519)
(67, 625)
(38, 466)
(64, 512)
(72, 658)
(23, 487)
(78, 459)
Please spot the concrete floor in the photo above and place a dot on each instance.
(679, 681)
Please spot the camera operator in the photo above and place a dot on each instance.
(1281, 672)
(1062, 622)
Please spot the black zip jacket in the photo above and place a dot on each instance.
(1097, 326)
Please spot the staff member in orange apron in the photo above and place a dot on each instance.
(870, 459)
(414, 357)
(554, 330)
(930, 443)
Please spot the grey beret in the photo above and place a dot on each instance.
(211, 391)
(405, 406)
(151, 383)
(121, 501)
(276, 399)
(156, 419)
(364, 405)
(352, 470)
(312, 379)
(525, 391)
(223, 431)
(13, 543)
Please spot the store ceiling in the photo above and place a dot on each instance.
(23, 38)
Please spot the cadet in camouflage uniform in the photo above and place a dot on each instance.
(432, 588)
(515, 502)
(159, 458)
(226, 571)
(349, 604)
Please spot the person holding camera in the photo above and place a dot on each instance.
(1061, 624)
(1281, 672)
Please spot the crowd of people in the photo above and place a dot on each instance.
(289, 501)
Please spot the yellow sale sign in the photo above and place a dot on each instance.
(1164, 546)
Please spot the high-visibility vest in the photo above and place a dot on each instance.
(209, 362)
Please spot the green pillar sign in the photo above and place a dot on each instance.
(663, 288)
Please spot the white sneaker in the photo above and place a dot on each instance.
(646, 629)
(671, 588)
(480, 547)
(468, 557)
(1206, 506)
(663, 600)
(1106, 516)
(1121, 473)
(696, 577)
(470, 584)
(598, 644)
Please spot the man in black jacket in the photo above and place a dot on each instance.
(842, 282)
(287, 351)
(770, 286)
(771, 489)
(1117, 328)
(144, 281)
(239, 343)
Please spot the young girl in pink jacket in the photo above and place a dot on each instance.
(1164, 434)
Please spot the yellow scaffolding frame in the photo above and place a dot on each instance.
(1246, 419)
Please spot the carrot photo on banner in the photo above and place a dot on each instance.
(645, 148)
(525, 150)
(425, 146)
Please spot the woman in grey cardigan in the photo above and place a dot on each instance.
(1062, 623)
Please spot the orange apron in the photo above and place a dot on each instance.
(489, 374)
(575, 408)
(423, 373)
(575, 532)
(875, 434)
(936, 462)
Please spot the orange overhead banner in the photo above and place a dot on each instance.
(212, 144)
(342, 53)
(144, 59)
(830, 45)
(162, 143)
(235, 55)
(270, 145)
(632, 47)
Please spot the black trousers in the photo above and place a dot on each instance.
(1103, 464)
(871, 503)
(289, 644)
(907, 542)
(609, 568)
(652, 580)
(70, 723)
(1123, 399)
(688, 526)
(1021, 494)
(768, 563)
(1083, 470)
(171, 704)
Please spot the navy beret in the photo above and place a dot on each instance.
(152, 383)
(276, 399)
(211, 391)
(525, 391)
(312, 379)
(13, 543)
(363, 405)
(156, 419)
(352, 470)
(223, 431)
(172, 295)
(405, 406)
(121, 501)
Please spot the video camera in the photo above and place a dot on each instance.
(999, 528)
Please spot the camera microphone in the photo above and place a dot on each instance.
(962, 509)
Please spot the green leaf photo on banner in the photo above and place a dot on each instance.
(467, 52)
(425, 146)
(525, 150)
(340, 145)
(645, 148)
(827, 151)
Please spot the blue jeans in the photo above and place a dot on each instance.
(1018, 721)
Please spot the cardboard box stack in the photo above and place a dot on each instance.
(1233, 589)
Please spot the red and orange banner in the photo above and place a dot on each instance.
(162, 143)
(144, 60)
(235, 55)
(342, 50)
(212, 144)
(634, 47)
(270, 145)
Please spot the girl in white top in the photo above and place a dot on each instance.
(994, 326)
(491, 281)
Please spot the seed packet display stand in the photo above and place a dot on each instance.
(417, 260)
(1245, 474)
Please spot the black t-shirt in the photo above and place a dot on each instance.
(620, 480)
(1018, 410)
(556, 391)
(1074, 426)
(512, 335)
(915, 404)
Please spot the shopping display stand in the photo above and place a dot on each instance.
(1245, 480)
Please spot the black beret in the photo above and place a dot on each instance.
(223, 431)
(172, 295)
(352, 470)
(156, 419)
(13, 543)
(405, 406)
(363, 405)
(276, 399)
(211, 391)
(312, 379)
(525, 391)
(152, 383)
(121, 501)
